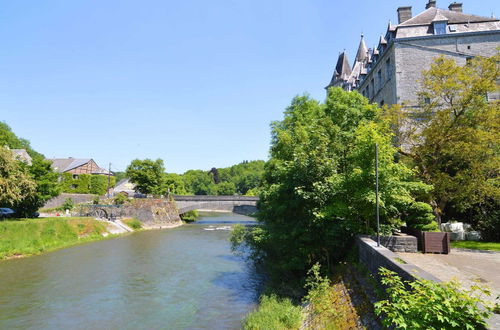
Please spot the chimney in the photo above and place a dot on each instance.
(430, 4)
(456, 6)
(404, 14)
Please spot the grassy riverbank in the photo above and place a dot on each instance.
(24, 237)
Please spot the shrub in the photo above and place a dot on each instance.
(190, 215)
(420, 217)
(274, 313)
(68, 204)
(96, 200)
(120, 199)
(425, 304)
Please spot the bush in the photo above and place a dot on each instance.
(68, 204)
(420, 217)
(274, 313)
(430, 305)
(190, 215)
(120, 199)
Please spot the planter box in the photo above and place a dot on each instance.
(431, 242)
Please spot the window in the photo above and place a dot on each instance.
(379, 78)
(439, 28)
(388, 71)
(75, 176)
(382, 103)
(372, 87)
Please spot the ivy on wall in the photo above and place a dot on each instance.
(85, 183)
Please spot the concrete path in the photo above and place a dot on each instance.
(470, 267)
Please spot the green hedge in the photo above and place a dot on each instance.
(85, 184)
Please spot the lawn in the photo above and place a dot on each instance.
(491, 246)
(22, 237)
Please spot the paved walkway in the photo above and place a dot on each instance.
(470, 267)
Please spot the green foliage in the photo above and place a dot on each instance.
(175, 184)
(86, 184)
(68, 204)
(430, 305)
(274, 313)
(237, 179)
(318, 189)
(319, 293)
(96, 200)
(190, 215)
(455, 142)
(148, 176)
(16, 184)
(198, 182)
(40, 171)
(120, 199)
(134, 223)
(27, 237)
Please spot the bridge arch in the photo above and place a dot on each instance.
(237, 204)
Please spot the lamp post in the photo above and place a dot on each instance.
(376, 194)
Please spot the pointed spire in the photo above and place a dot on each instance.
(382, 40)
(362, 50)
(343, 68)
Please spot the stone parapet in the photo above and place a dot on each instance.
(374, 257)
(399, 243)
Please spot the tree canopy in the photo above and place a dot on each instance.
(318, 189)
(455, 141)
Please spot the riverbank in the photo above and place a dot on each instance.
(26, 237)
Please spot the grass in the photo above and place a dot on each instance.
(274, 313)
(490, 246)
(133, 223)
(23, 237)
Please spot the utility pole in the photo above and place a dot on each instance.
(376, 194)
(109, 180)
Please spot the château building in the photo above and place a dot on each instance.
(391, 72)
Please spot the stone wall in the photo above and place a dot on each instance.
(400, 243)
(59, 200)
(153, 213)
(374, 257)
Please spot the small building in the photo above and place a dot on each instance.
(78, 166)
(22, 155)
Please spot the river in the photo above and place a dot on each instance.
(181, 278)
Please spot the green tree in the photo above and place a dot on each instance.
(40, 171)
(455, 141)
(175, 184)
(16, 184)
(148, 176)
(198, 182)
(319, 183)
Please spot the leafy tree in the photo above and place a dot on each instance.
(319, 183)
(199, 182)
(226, 188)
(175, 184)
(40, 171)
(455, 141)
(16, 184)
(148, 175)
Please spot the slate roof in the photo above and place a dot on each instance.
(22, 155)
(65, 164)
(343, 68)
(453, 17)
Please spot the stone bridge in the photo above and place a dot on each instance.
(237, 204)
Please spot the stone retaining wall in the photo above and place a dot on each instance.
(59, 200)
(153, 213)
(399, 243)
(374, 257)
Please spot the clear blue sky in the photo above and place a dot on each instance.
(195, 83)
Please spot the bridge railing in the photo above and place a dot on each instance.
(206, 198)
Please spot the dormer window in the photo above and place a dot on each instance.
(440, 27)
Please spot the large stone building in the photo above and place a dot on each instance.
(390, 74)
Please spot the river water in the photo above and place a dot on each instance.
(181, 278)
